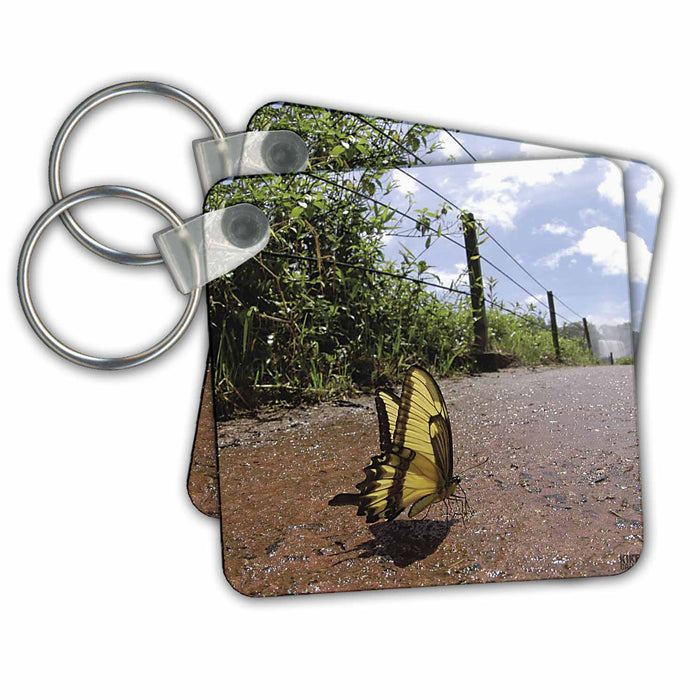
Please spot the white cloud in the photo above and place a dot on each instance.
(589, 215)
(404, 183)
(447, 277)
(496, 208)
(494, 194)
(650, 195)
(534, 299)
(639, 258)
(604, 319)
(610, 313)
(606, 249)
(516, 174)
(448, 145)
(557, 228)
(553, 260)
(611, 186)
(542, 172)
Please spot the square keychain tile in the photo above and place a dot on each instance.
(343, 356)
(388, 141)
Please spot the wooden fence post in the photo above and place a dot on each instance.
(587, 334)
(553, 324)
(476, 283)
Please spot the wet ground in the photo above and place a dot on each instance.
(549, 459)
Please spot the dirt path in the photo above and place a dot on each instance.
(557, 496)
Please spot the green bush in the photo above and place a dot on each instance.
(321, 313)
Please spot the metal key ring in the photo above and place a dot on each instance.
(108, 93)
(30, 312)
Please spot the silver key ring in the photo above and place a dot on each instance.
(25, 258)
(108, 93)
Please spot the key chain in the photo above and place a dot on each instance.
(194, 250)
(346, 387)
(220, 156)
(57, 210)
(362, 295)
(326, 130)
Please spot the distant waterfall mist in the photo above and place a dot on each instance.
(612, 339)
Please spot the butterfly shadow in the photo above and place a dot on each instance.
(405, 541)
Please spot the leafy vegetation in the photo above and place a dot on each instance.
(321, 313)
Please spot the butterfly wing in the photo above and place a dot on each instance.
(395, 481)
(387, 413)
(417, 466)
(423, 424)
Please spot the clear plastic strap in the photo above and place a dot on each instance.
(211, 245)
(216, 243)
(249, 153)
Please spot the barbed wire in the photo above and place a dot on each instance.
(445, 199)
(530, 294)
(459, 143)
(396, 275)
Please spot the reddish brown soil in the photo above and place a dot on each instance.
(549, 458)
(203, 481)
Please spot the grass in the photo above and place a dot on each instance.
(320, 323)
(320, 348)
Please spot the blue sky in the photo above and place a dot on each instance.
(563, 220)
(643, 192)
(643, 189)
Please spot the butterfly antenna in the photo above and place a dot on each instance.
(476, 466)
(481, 464)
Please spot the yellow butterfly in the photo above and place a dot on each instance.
(415, 467)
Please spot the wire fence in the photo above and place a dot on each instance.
(323, 345)
(407, 278)
(484, 230)
(469, 245)
(535, 298)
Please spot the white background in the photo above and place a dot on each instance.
(112, 584)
